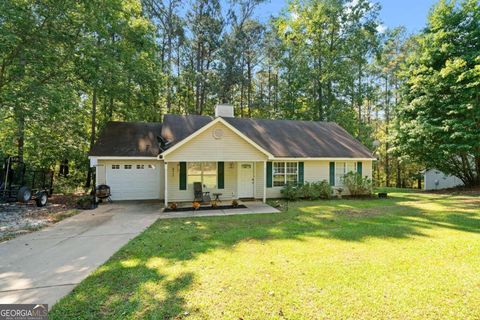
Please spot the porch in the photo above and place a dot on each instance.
(230, 179)
(251, 207)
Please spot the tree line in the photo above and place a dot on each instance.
(68, 67)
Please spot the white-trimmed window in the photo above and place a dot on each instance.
(204, 172)
(127, 166)
(115, 166)
(284, 172)
(140, 166)
(341, 169)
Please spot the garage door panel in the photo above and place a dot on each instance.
(134, 184)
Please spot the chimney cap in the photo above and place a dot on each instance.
(224, 110)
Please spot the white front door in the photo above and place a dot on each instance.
(246, 181)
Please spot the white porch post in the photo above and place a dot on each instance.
(165, 174)
(264, 181)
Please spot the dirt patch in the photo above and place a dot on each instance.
(16, 218)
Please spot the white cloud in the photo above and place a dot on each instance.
(381, 28)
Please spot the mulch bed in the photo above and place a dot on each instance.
(240, 206)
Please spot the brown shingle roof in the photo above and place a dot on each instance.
(282, 138)
(128, 139)
(301, 139)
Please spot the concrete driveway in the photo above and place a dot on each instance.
(43, 266)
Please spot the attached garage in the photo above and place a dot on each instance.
(132, 180)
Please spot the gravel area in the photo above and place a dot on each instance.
(16, 218)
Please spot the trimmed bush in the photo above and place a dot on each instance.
(309, 190)
(357, 185)
(290, 192)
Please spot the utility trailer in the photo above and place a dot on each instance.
(17, 183)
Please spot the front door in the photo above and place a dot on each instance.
(246, 181)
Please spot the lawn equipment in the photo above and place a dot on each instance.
(22, 185)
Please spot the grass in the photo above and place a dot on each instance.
(412, 256)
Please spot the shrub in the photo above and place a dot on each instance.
(309, 190)
(234, 203)
(323, 189)
(356, 184)
(290, 192)
(86, 202)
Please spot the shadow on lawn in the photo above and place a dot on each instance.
(117, 291)
(129, 287)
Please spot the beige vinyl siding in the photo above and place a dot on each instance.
(100, 171)
(367, 168)
(175, 194)
(132, 185)
(319, 170)
(259, 180)
(205, 147)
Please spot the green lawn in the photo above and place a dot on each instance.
(413, 256)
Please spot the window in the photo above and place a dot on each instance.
(284, 172)
(341, 169)
(127, 166)
(115, 166)
(204, 172)
(140, 166)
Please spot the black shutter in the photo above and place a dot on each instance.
(332, 173)
(221, 175)
(269, 174)
(300, 173)
(182, 176)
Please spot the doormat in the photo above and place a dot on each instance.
(240, 206)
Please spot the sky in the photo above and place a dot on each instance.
(410, 13)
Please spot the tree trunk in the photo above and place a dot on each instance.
(399, 175)
(387, 124)
(20, 134)
(92, 133)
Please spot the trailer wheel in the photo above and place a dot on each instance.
(24, 194)
(41, 199)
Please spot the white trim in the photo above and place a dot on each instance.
(209, 125)
(265, 182)
(327, 159)
(165, 177)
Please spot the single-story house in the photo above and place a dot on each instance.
(237, 157)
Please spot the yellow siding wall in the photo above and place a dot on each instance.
(175, 194)
(205, 147)
(315, 170)
(259, 180)
(100, 170)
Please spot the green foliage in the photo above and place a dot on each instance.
(357, 185)
(308, 190)
(290, 192)
(439, 119)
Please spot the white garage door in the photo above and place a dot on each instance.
(133, 180)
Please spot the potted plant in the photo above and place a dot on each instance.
(214, 204)
(196, 205)
(234, 203)
(173, 206)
